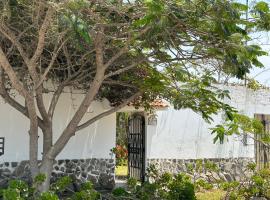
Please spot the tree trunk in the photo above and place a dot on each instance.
(33, 154)
(33, 135)
(46, 164)
(46, 169)
(47, 138)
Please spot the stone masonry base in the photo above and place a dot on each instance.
(99, 171)
(230, 169)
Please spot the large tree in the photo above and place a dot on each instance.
(120, 50)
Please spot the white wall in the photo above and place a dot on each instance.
(180, 134)
(92, 142)
(183, 134)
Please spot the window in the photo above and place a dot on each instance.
(2, 145)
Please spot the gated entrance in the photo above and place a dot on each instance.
(262, 151)
(136, 147)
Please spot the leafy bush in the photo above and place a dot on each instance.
(86, 192)
(16, 190)
(258, 185)
(19, 190)
(204, 175)
(132, 183)
(48, 196)
(118, 192)
(202, 184)
(158, 186)
(61, 184)
(183, 186)
(180, 187)
(165, 186)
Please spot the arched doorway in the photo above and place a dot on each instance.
(136, 146)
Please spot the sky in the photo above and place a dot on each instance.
(261, 74)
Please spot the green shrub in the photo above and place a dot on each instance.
(86, 192)
(86, 195)
(48, 196)
(202, 184)
(258, 185)
(61, 184)
(118, 192)
(158, 186)
(19, 190)
(165, 186)
(181, 188)
(132, 183)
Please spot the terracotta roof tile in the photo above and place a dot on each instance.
(158, 103)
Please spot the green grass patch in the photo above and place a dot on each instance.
(121, 171)
(210, 195)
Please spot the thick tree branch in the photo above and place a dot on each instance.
(41, 35)
(88, 99)
(41, 106)
(15, 41)
(32, 67)
(12, 102)
(120, 83)
(60, 89)
(47, 70)
(125, 48)
(31, 64)
(119, 71)
(12, 75)
(116, 56)
(65, 50)
(55, 99)
(29, 99)
(106, 113)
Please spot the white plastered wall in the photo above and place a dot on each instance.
(183, 134)
(92, 142)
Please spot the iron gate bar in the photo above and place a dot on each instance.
(136, 147)
(262, 152)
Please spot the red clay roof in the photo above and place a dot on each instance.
(159, 103)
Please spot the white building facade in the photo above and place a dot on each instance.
(178, 138)
(87, 155)
(181, 136)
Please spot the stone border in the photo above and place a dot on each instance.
(230, 168)
(99, 171)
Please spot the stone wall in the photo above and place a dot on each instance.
(99, 171)
(229, 169)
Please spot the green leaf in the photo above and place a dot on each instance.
(262, 6)
(239, 6)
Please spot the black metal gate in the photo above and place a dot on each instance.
(136, 147)
(262, 151)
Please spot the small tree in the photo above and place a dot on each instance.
(120, 50)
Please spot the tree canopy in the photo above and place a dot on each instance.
(123, 51)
